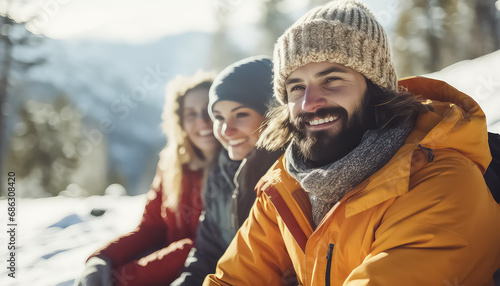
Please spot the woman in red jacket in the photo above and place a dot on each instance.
(154, 253)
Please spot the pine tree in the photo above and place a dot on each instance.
(13, 35)
(432, 34)
(273, 24)
(222, 51)
(45, 143)
(485, 27)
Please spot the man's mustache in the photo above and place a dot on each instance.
(304, 117)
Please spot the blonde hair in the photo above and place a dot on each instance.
(179, 149)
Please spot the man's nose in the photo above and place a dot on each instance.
(313, 99)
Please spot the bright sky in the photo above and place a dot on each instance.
(132, 20)
(146, 20)
(122, 19)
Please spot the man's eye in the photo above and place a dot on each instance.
(332, 79)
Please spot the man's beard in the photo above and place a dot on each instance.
(320, 147)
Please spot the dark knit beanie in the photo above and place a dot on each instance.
(248, 81)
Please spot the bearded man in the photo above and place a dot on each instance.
(381, 182)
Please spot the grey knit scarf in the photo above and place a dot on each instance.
(328, 184)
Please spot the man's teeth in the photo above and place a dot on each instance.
(236, 142)
(323, 120)
(205, 132)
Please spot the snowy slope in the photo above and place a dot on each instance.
(56, 235)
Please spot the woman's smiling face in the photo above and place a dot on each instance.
(196, 121)
(236, 127)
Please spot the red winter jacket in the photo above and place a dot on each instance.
(154, 253)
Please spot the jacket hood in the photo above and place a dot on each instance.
(454, 122)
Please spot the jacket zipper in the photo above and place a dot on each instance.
(330, 247)
(235, 223)
(328, 263)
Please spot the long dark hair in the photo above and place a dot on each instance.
(388, 108)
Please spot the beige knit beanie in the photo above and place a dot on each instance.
(343, 32)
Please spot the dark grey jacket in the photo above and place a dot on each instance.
(229, 196)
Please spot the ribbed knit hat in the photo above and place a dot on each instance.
(248, 81)
(343, 32)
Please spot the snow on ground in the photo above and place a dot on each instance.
(55, 235)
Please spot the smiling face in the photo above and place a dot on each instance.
(236, 127)
(326, 102)
(196, 122)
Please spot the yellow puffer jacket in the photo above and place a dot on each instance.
(425, 218)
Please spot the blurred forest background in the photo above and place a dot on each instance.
(79, 114)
